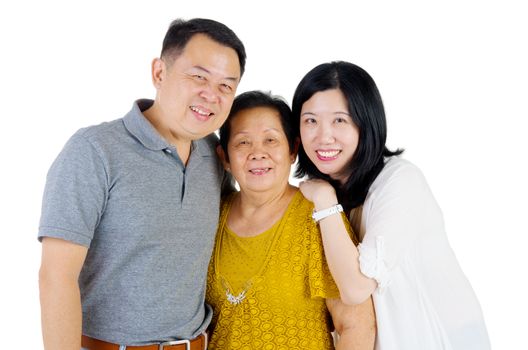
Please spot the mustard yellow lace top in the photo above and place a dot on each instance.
(282, 306)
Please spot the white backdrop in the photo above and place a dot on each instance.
(453, 75)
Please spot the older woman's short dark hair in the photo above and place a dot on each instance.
(253, 99)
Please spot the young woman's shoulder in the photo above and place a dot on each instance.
(397, 163)
(399, 173)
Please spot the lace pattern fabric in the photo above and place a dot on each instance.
(284, 308)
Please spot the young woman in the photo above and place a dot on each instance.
(421, 296)
(268, 282)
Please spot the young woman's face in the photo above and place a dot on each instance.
(328, 134)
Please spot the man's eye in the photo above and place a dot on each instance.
(226, 88)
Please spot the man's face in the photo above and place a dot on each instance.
(195, 91)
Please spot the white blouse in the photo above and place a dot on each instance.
(423, 300)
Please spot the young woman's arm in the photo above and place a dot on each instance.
(341, 253)
(355, 325)
(398, 210)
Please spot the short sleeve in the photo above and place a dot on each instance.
(322, 283)
(398, 210)
(75, 193)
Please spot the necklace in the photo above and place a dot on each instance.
(238, 244)
(235, 299)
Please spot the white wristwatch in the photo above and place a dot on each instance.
(321, 214)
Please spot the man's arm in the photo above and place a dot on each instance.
(355, 324)
(60, 299)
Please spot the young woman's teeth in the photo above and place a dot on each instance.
(328, 154)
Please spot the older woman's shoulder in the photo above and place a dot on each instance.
(300, 209)
(300, 204)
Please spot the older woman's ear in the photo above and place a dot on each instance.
(223, 157)
(293, 153)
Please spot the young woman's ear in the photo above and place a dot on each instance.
(223, 157)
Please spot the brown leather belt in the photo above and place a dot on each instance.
(198, 343)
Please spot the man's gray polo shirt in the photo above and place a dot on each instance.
(120, 189)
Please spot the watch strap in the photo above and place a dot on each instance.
(321, 214)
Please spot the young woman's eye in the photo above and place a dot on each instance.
(340, 120)
(309, 121)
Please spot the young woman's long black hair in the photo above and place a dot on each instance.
(366, 109)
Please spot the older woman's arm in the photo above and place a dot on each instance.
(355, 324)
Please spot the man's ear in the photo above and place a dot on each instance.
(158, 72)
(296, 145)
(223, 157)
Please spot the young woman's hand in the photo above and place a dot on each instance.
(320, 192)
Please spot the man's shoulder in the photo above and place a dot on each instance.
(102, 130)
(211, 140)
(207, 145)
(107, 131)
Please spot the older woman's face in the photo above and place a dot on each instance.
(259, 155)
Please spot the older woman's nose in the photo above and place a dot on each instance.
(258, 152)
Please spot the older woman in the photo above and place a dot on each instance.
(268, 282)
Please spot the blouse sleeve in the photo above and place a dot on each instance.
(399, 208)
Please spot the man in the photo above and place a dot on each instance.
(131, 206)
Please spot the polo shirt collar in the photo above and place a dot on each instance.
(139, 126)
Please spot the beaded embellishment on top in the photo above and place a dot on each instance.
(235, 299)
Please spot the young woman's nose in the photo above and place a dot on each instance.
(325, 133)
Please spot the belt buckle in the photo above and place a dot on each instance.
(186, 342)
